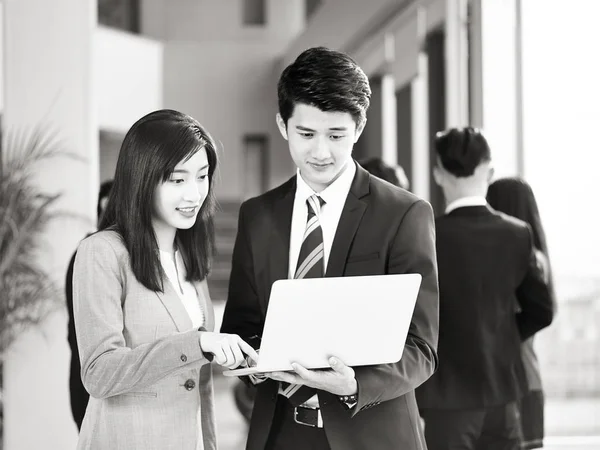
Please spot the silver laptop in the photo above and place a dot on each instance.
(361, 320)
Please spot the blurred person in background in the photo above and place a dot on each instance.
(243, 395)
(78, 395)
(514, 196)
(143, 314)
(493, 296)
(395, 175)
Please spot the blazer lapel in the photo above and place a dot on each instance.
(279, 241)
(352, 213)
(174, 306)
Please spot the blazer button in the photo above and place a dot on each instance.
(183, 358)
(189, 385)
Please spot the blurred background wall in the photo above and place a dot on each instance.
(524, 70)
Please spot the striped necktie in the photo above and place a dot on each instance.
(311, 264)
(311, 260)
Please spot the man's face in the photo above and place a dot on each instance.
(320, 143)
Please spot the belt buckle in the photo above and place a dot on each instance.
(319, 423)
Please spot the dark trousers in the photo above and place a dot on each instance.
(532, 419)
(78, 395)
(496, 428)
(288, 435)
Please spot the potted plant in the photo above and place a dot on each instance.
(27, 293)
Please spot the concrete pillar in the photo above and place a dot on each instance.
(48, 82)
(420, 171)
(389, 121)
(495, 91)
(379, 137)
(370, 142)
(456, 50)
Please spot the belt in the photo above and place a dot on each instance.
(303, 415)
(311, 417)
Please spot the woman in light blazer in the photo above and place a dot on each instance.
(514, 196)
(143, 316)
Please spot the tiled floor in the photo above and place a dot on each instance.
(572, 424)
(231, 427)
(572, 443)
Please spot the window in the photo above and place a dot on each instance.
(121, 14)
(311, 7)
(109, 148)
(254, 12)
(255, 168)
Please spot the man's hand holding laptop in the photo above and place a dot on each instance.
(338, 380)
(324, 358)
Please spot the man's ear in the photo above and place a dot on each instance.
(282, 126)
(359, 129)
(437, 176)
(490, 175)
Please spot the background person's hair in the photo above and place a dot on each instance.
(376, 166)
(462, 150)
(151, 149)
(514, 196)
(326, 79)
(103, 193)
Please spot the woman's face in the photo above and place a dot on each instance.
(178, 200)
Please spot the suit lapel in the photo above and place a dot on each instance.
(174, 306)
(352, 213)
(279, 240)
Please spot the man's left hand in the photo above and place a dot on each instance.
(338, 380)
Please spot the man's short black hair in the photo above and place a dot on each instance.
(462, 150)
(326, 79)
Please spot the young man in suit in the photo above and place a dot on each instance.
(355, 225)
(492, 296)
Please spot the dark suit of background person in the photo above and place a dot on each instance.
(514, 196)
(382, 230)
(492, 296)
(79, 397)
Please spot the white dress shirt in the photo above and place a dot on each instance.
(175, 270)
(475, 200)
(329, 217)
(335, 197)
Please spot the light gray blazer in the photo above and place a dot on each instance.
(150, 384)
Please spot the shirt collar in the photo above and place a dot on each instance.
(475, 200)
(336, 192)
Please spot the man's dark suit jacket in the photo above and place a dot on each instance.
(382, 230)
(78, 395)
(492, 296)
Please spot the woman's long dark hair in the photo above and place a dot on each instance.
(151, 149)
(514, 196)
